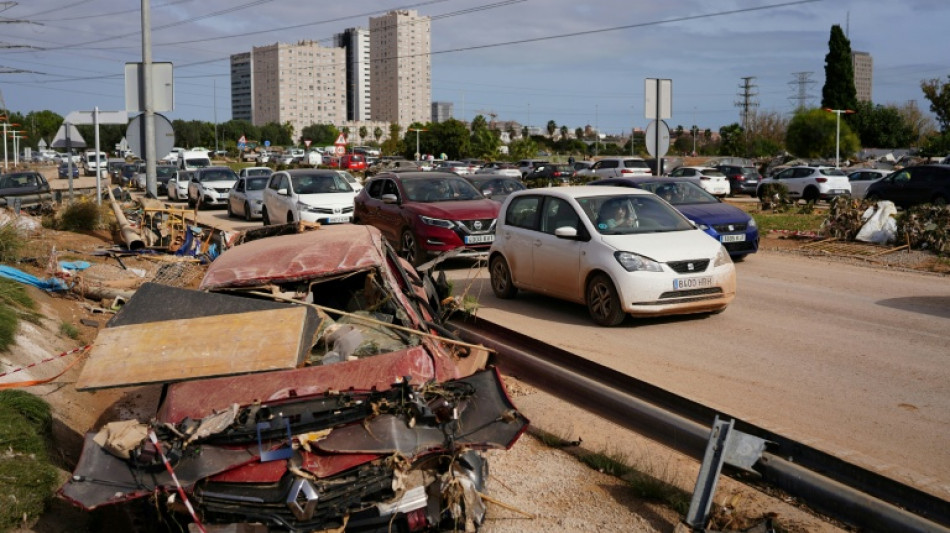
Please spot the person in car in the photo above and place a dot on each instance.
(615, 213)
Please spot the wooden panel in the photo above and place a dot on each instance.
(196, 348)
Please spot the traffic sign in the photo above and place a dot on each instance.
(242, 140)
(267, 144)
(164, 135)
(653, 137)
(341, 140)
(306, 142)
(657, 98)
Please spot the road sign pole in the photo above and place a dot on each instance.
(659, 156)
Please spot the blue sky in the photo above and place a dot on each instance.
(573, 62)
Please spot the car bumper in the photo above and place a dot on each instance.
(737, 243)
(833, 193)
(438, 240)
(326, 219)
(668, 293)
(748, 187)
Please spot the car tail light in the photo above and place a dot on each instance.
(740, 177)
(821, 180)
(417, 520)
(626, 171)
(557, 174)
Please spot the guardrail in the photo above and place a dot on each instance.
(838, 489)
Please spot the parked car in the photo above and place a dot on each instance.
(456, 167)
(500, 168)
(742, 179)
(920, 184)
(178, 185)
(710, 179)
(616, 167)
(620, 251)
(525, 166)
(582, 165)
(63, 170)
(126, 174)
(163, 173)
(247, 197)
(731, 226)
(354, 162)
(114, 168)
(352, 180)
(389, 164)
(247, 172)
(310, 195)
(810, 183)
(495, 186)
(549, 174)
(210, 186)
(427, 213)
(25, 183)
(862, 178)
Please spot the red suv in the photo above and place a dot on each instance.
(426, 213)
(353, 162)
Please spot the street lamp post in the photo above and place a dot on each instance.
(838, 113)
(417, 130)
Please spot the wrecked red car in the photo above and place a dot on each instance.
(373, 421)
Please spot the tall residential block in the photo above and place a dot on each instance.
(356, 45)
(242, 87)
(863, 75)
(441, 111)
(300, 84)
(401, 67)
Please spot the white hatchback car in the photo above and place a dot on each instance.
(712, 180)
(617, 167)
(310, 195)
(810, 183)
(618, 250)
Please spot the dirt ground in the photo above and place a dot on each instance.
(79, 412)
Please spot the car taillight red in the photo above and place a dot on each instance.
(626, 171)
(740, 177)
(821, 180)
(416, 520)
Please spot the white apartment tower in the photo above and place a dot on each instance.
(401, 67)
(300, 84)
(863, 65)
(355, 42)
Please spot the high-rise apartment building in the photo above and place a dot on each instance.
(300, 84)
(441, 111)
(401, 67)
(863, 66)
(356, 44)
(242, 87)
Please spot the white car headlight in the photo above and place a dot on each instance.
(722, 258)
(752, 223)
(438, 222)
(703, 227)
(632, 262)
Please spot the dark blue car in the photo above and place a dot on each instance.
(63, 170)
(731, 226)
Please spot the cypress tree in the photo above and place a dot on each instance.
(838, 91)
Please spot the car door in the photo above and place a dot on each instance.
(279, 196)
(392, 216)
(236, 197)
(518, 235)
(555, 260)
(606, 168)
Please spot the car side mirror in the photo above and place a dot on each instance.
(566, 232)
(282, 192)
(389, 199)
(486, 193)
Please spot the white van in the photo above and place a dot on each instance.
(193, 160)
(91, 163)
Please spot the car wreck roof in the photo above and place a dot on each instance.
(327, 251)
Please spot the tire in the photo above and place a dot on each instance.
(264, 217)
(247, 212)
(411, 251)
(603, 303)
(810, 194)
(500, 274)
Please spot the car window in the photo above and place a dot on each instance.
(217, 175)
(440, 189)
(558, 213)
(631, 214)
(607, 163)
(523, 212)
(390, 187)
(255, 183)
(240, 186)
(320, 184)
(635, 163)
(680, 193)
(375, 188)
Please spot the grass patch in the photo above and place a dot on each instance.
(83, 215)
(69, 330)
(611, 463)
(551, 440)
(788, 221)
(11, 243)
(27, 479)
(15, 303)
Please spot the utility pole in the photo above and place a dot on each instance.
(417, 130)
(747, 100)
(838, 113)
(802, 97)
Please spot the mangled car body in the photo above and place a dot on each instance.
(377, 427)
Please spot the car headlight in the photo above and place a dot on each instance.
(752, 223)
(699, 225)
(632, 262)
(722, 258)
(437, 222)
(258, 202)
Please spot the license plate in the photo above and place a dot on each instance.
(692, 283)
(479, 239)
(338, 219)
(732, 238)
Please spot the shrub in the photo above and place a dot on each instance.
(83, 215)
(11, 243)
(774, 196)
(27, 479)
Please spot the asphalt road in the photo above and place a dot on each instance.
(845, 358)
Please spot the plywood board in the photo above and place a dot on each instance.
(196, 348)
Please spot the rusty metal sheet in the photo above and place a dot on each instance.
(199, 399)
(331, 250)
(177, 350)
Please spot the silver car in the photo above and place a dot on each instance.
(247, 197)
(862, 178)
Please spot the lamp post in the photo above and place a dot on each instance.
(838, 113)
(417, 130)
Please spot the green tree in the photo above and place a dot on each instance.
(393, 145)
(523, 148)
(812, 134)
(552, 127)
(377, 133)
(484, 142)
(363, 133)
(564, 132)
(881, 126)
(838, 91)
(319, 134)
(579, 133)
(732, 140)
(41, 125)
(938, 93)
(451, 137)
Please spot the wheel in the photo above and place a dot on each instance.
(810, 194)
(264, 218)
(500, 274)
(603, 303)
(247, 212)
(411, 250)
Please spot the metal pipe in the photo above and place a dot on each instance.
(133, 241)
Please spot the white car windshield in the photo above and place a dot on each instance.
(630, 214)
(320, 184)
(218, 175)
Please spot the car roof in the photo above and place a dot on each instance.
(581, 191)
(636, 181)
(418, 174)
(310, 172)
